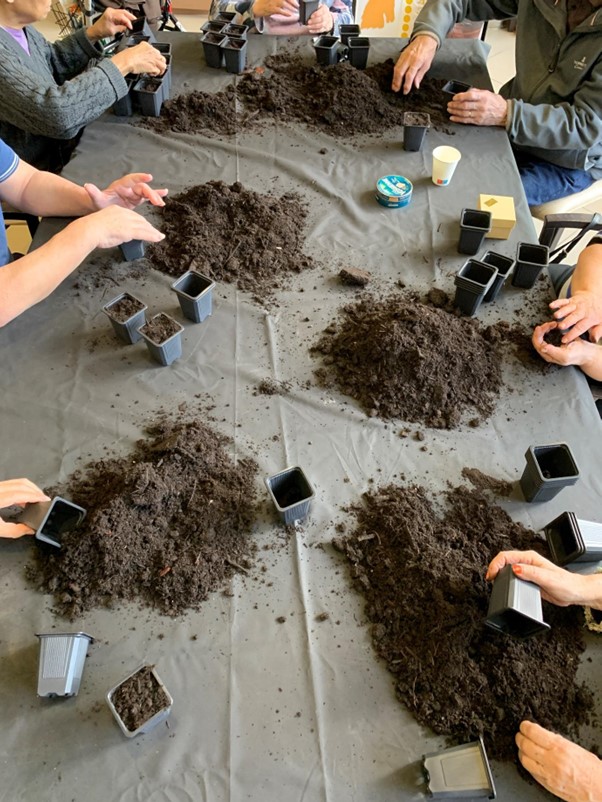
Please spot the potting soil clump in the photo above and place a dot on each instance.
(399, 358)
(198, 112)
(234, 235)
(422, 576)
(165, 526)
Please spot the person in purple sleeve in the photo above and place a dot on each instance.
(281, 17)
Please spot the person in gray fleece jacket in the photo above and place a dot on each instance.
(49, 92)
(552, 108)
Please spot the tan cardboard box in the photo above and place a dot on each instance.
(503, 216)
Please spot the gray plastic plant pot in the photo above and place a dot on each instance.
(124, 107)
(195, 294)
(148, 725)
(235, 55)
(291, 493)
(62, 658)
(504, 265)
(148, 93)
(348, 31)
(415, 125)
(140, 27)
(474, 226)
(549, 468)
(326, 50)
(126, 328)
(358, 48)
(212, 48)
(473, 281)
(461, 772)
(530, 261)
(237, 31)
(51, 519)
(515, 606)
(166, 78)
(306, 9)
(133, 249)
(214, 26)
(455, 87)
(170, 349)
(572, 540)
(225, 17)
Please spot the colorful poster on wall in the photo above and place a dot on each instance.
(387, 17)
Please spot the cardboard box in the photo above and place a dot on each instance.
(503, 216)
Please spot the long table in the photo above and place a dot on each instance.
(263, 711)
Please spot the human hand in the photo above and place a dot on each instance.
(112, 21)
(559, 586)
(478, 107)
(266, 8)
(129, 192)
(20, 492)
(321, 21)
(578, 352)
(579, 313)
(114, 225)
(413, 62)
(140, 58)
(567, 770)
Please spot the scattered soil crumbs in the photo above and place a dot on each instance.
(484, 482)
(272, 387)
(139, 698)
(234, 235)
(166, 526)
(422, 576)
(402, 359)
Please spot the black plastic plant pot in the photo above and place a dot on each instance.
(548, 469)
(140, 702)
(166, 78)
(132, 249)
(306, 9)
(326, 50)
(530, 261)
(358, 48)
(291, 493)
(473, 282)
(195, 294)
(515, 606)
(504, 265)
(163, 47)
(52, 519)
(123, 107)
(225, 17)
(215, 26)
(455, 87)
(460, 772)
(235, 55)
(126, 313)
(140, 27)
(238, 31)
(149, 95)
(348, 31)
(474, 226)
(213, 50)
(572, 540)
(415, 125)
(163, 337)
(62, 658)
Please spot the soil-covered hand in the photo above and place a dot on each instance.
(321, 21)
(413, 62)
(113, 225)
(579, 313)
(140, 58)
(18, 492)
(129, 192)
(586, 355)
(564, 768)
(478, 107)
(284, 8)
(112, 21)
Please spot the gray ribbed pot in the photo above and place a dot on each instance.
(126, 324)
(515, 606)
(549, 468)
(195, 294)
(291, 493)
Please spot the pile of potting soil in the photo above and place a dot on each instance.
(399, 358)
(198, 112)
(234, 235)
(422, 576)
(166, 525)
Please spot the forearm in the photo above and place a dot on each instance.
(587, 276)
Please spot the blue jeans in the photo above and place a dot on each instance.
(544, 181)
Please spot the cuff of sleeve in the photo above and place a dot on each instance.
(509, 111)
(431, 34)
(116, 79)
(90, 48)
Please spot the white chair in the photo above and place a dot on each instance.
(571, 203)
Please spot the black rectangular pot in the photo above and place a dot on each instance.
(474, 226)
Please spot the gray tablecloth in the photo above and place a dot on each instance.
(263, 711)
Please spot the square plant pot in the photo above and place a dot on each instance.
(148, 93)
(51, 519)
(549, 468)
(195, 294)
(140, 27)
(126, 313)
(235, 55)
(140, 701)
(291, 493)
(236, 31)
(515, 606)
(166, 78)
(504, 265)
(474, 227)
(460, 772)
(133, 249)
(163, 337)
(124, 107)
(215, 26)
(327, 50)
(62, 658)
(225, 17)
(415, 125)
(358, 48)
(530, 261)
(455, 87)
(306, 9)
(213, 50)
(346, 32)
(473, 281)
(572, 540)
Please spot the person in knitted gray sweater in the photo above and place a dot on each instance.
(51, 91)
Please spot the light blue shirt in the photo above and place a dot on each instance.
(9, 161)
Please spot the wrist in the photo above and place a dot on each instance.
(592, 596)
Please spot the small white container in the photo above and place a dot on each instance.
(158, 717)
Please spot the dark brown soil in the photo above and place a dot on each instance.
(422, 576)
(139, 698)
(554, 337)
(160, 328)
(354, 277)
(199, 112)
(234, 235)
(125, 308)
(482, 481)
(166, 526)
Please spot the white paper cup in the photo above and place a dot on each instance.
(445, 160)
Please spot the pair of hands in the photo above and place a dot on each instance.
(138, 59)
(564, 768)
(580, 313)
(475, 107)
(18, 492)
(321, 21)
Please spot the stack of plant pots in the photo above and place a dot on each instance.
(473, 282)
(503, 265)
(224, 42)
(349, 45)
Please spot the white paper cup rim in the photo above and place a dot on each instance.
(447, 154)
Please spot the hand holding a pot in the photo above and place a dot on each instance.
(18, 492)
(413, 63)
(129, 192)
(114, 225)
(321, 21)
(585, 355)
(112, 21)
(140, 58)
(478, 107)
